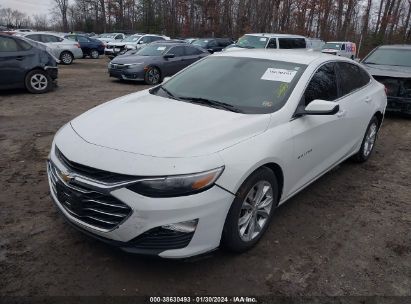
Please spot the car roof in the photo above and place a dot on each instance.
(300, 56)
(271, 35)
(395, 46)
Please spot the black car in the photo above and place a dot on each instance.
(26, 64)
(391, 65)
(155, 61)
(213, 44)
(90, 46)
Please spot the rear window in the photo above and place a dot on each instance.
(272, 82)
(292, 43)
(352, 77)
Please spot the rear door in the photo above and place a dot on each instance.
(176, 64)
(15, 61)
(85, 44)
(191, 54)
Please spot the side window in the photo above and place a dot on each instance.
(156, 38)
(8, 45)
(212, 43)
(35, 37)
(191, 51)
(71, 37)
(146, 39)
(272, 44)
(292, 43)
(343, 47)
(352, 77)
(323, 85)
(24, 45)
(49, 38)
(178, 51)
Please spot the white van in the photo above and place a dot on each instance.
(340, 48)
(269, 41)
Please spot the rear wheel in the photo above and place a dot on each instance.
(38, 81)
(368, 142)
(66, 58)
(94, 54)
(251, 211)
(152, 76)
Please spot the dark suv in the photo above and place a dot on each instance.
(213, 44)
(26, 64)
(90, 46)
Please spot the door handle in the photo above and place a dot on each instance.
(342, 113)
(19, 58)
(367, 99)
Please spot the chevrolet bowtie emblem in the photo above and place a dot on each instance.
(66, 177)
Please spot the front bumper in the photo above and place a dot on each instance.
(148, 215)
(399, 105)
(127, 74)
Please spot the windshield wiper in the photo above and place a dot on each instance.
(171, 95)
(212, 103)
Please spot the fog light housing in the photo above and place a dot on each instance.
(185, 227)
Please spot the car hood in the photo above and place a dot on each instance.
(151, 125)
(124, 59)
(388, 70)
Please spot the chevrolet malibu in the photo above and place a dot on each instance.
(204, 159)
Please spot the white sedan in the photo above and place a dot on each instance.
(204, 159)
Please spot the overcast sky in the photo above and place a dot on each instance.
(30, 7)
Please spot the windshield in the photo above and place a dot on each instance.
(396, 57)
(131, 39)
(153, 50)
(334, 46)
(250, 85)
(254, 42)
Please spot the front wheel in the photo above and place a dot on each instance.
(38, 81)
(368, 142)
(251, 211)
(152, 76)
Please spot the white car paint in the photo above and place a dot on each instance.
(145, 135)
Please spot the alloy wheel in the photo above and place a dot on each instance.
(370, 138)
(153, 76)
(94, 54)
(66, 58)
(255, 210)
(38, 82)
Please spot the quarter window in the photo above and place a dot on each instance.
(352, 77)
(49, 38)
(191, 51)
(323, 85)
(82, 39)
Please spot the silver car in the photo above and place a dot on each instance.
(64, 49)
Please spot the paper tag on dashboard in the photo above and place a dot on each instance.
(278, 75)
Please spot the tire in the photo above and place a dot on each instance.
(152, 76)
(38, 82)
(66, 58)
(368, 142)
(352, 57)
(94, 54)
(238, 237)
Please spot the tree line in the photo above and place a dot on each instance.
(372, 22)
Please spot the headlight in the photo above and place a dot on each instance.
(134, 65)
(177, 185)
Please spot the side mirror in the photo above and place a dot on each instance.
(168, 56)
(211, 51)
(319, 107)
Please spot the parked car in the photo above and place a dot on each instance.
(90, 46)
(190, 40)
(133, 42)
(155, 61)
(25, 64)
(110, 37)
(269, 41)
(63, 49)
(213, 44)
(391, 65)
(204, 159)
(340, 48)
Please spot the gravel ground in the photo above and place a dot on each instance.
(346, 234)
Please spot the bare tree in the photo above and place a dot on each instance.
(62, 6)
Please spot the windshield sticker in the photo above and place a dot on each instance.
(267, 104)
(161, 48)
(282, 75)
(282, 89)
(263, 39)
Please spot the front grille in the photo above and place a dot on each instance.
(396, 87)
(88, 206)
(118, 66)
(96, 174)
(161, 239)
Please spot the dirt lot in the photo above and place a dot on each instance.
(347, 234)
